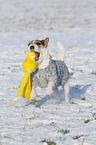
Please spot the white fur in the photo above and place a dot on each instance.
(33, 94)
(42, 63)
(66, 90)
(61, 51)
(36, 47)
(43, 59)
(49, 88)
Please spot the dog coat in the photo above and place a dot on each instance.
(56, 72)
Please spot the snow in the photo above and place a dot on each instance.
(74, 24)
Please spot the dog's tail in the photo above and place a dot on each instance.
(61, 51)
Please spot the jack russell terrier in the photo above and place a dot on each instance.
(49, 73)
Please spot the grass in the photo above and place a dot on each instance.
(49, 142)
(7, 137)
(83, 98)
(77, 136)
(88, 120)
(73, 103)
(93, 73)
(52, 123)
(63, 131)
(94, 115)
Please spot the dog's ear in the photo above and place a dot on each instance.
(46, 40)
(30, 43)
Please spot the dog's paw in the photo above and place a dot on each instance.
(31, 100)
(48, 94)
(32, 97)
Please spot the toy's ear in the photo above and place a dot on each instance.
(46, 40)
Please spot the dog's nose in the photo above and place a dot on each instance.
(32, 47)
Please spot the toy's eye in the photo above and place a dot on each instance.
(38, 43)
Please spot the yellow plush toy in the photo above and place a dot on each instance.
(29, 65)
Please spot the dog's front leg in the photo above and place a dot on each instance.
(50, 88)
(33, 94)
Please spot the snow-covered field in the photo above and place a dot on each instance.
(51, 122)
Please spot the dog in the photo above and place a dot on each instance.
(49, 73)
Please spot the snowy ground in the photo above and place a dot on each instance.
(51, 121)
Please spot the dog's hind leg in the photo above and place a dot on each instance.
(66, 91)
(56, 91)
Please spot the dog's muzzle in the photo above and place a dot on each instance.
(35, 48)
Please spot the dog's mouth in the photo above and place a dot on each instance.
(35, 48)
(37, 56)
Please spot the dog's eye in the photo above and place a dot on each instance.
(38, 43)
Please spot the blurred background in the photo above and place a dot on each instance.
(45, 16)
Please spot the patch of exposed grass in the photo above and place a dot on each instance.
(88, 120)
(73, 103)
(52, 123)
(71, 73)
(94, 115)
(77, 136)
(83, 98)
(80, 70)
(93, 73)
(90, 106)
(63, 131)
(16, 66)
(49, 142)
(8, 137)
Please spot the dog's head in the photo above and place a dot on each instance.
(38, 46)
